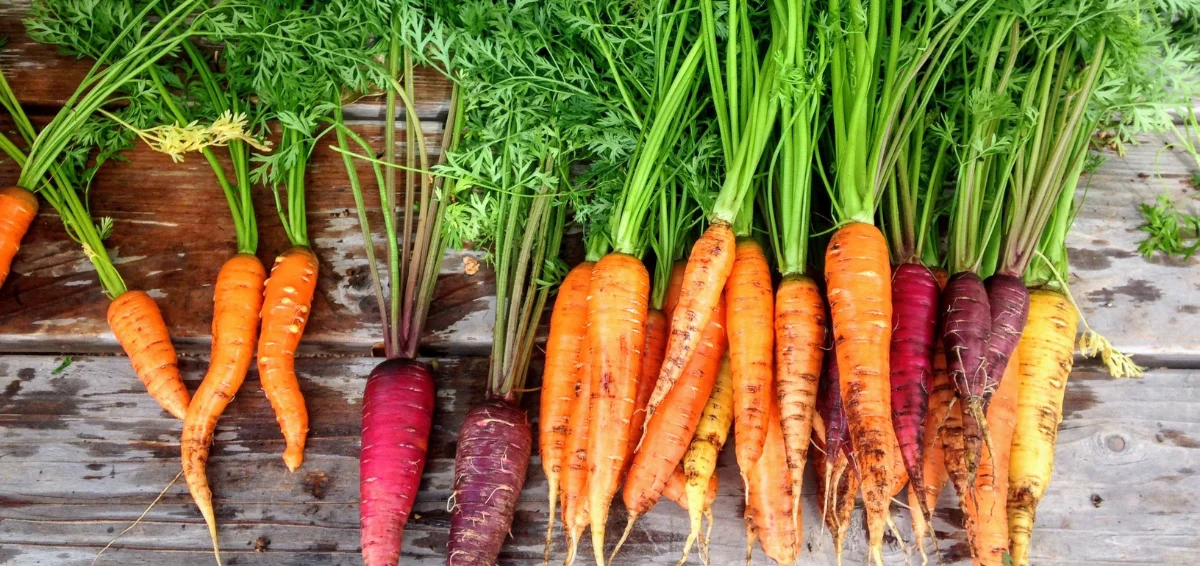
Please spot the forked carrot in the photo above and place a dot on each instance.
(750, 299)
(568, 336)
(669, 432)
(285, 311)
(704, 278)
(139, 327)
(618, 298)
(800, 338)
(18, 208)
(238, 298)
(858, 273)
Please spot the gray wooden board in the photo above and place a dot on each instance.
(83, 453)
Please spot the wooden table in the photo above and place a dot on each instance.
(84, 451)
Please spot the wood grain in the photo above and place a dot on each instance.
(84, 452)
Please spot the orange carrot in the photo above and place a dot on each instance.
(703, 283)
(139, 327)
(674, 288)
(769, 515)
(575, 466)
(288, 300)
(799, 353)
(858, 272)
(749, 295)
(837, 503)
(676, 489)
(652, 358)
(988, 502)
(934, 468)
(617, 306)
(955, 451)
(669, 432)
(18, 208)
(238, 298)
(568, 334)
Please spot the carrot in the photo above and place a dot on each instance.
(989, 529)
(748, 293)
(617, 308)
(700, 460)
(652, 358)
(841, 485)
(285, 311)
(1045, 356)
(139, 327)
(915, 305)
(704, 279)
(676, 490)
(669, 432)
(769, 515)
(934, 472)
(858, 274)
(238, 297)
(397, 416)
(800, 338)
(954, 448)
(18, 208)
(575, 467)
(674, 288)
(568, 335)
(967, 321)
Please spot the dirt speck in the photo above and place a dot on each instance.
(1189, 309)
(262, 544)
(13, 387)
(1103, 297)
(26, 374)
(316, 483)
(1079, 398)
(1178, 438)
(1097, 500)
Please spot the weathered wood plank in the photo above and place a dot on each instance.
(83, 453)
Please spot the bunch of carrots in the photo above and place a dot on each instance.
(929, 344)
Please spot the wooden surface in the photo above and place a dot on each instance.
(84, 452)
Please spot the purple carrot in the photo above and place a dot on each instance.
(397, 414)
(833, 414)
(1009, 300)
(915, 296)
(966, 325)
(494, 446)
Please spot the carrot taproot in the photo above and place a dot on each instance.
(618, 297)
(858, 271)
(286, 308)
(1009, 300)
(669, 432)
(676, 490)
(700, 460)
(749, 296)
(704, 278)
(397, 416)
(237, 299)
(652, 358)
(140, 329)
(841, 485)
(915, 295)
(1045, 356)
(568, 336)
(954, 450)
(18, 208)
(989, 535)
(934, 473)
(674, 288)
(966, 326)
(575, 467)
(769, 515)
(800, 338)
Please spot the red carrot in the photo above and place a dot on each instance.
(915, 295)
(967, 321)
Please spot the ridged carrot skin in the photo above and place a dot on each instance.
(751, 301)
(1009, 300)
(18, 208)
(617, 307)
(669, 432)
(286, 307)
(915, 295)
(397, 416)
(494, 446)
(652, 358)
(700, 460)
(575, 469)
(770, 518)
(954, 451)
(858, 273)
(139, 327)
(674, 288)
(989, 538)
(704, 279)
(1045, 356)
(934, 473)
(568, 336)
(237, 299)
(966, 325)
(800, 339)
